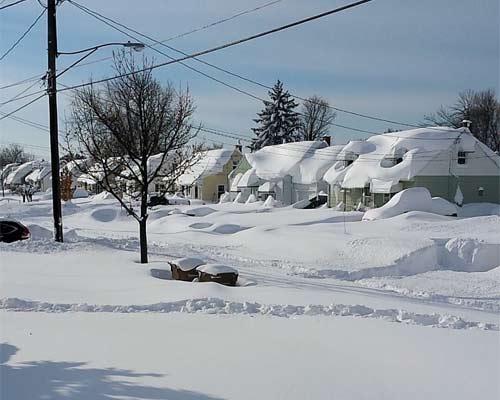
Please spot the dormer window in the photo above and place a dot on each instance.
(462, 158)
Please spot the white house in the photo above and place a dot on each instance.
(290, 172)
(41, 177)
(208, 178)
(443, 160)
(17, 175)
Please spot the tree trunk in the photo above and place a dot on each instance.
(143, 239)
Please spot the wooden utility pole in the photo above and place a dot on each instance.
(54, 129)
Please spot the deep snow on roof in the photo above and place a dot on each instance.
(39, 174)
(17, 175)
(415, 148)
(211, 162)
(305, 161)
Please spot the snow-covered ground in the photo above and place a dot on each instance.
(328, 306)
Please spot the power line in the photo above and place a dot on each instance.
(12, 4)
(20, 108)
(14, 45)
(26, 80)
(105, 20)
(96, 15)
(229, 44)
(19, 94)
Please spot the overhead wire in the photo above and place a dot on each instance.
(19, 40)
(109, 21)
(11, 4)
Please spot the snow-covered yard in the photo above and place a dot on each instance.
(328, 306)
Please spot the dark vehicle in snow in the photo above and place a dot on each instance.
(12, 231)
(158, 201)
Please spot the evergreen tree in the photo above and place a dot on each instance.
(278, 122)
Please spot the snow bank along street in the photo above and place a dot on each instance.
(417, 291)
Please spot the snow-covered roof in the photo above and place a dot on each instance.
(249, 179)
(234, 182)
(7, 169)
(305, 161)
(39, 174)
(211, 162)
(188, 263)
(17, 175)
(73, 167)
(216, 269)
(383, 160)
(267, 187)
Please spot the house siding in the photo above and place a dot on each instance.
(446, 187)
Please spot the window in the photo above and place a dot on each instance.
(462, 158)
(235, 163)
(220, 190)
(480, 192)
(348, 162)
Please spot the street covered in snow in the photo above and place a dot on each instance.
(327, 305)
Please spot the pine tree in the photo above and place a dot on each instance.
(278, 122)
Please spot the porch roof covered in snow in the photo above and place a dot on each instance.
(249, 179)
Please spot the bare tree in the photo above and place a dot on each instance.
(316, 118)
(125, 124)
(14, 153)
(481, 108)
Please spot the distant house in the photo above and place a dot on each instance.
(450, 163)
(41, 177)
(4, 173)
(208, 179)
(75, 168)
(17, 175)
(289, 172)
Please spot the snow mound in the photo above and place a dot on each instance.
(104, 214)
(238, 198)
(102, 196)
(251, 199)
(413, 199)
(39, 232)
(220, 306)
(80, 193)
(225, 198)
(199, 211)
(443, 207)
(270, 202)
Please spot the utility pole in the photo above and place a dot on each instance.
(54, 129)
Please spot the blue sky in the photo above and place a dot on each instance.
(396, 59)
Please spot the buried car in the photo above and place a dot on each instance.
(13, 231)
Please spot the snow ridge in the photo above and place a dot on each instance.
(219, 306)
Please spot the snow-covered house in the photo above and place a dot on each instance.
(450, 163)
(208, 178)
(158, 184)
(17, 175)
(289, 172)
(41, 177)
(75, 168)
(5, 171)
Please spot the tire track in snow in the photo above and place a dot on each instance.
(222, 307)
